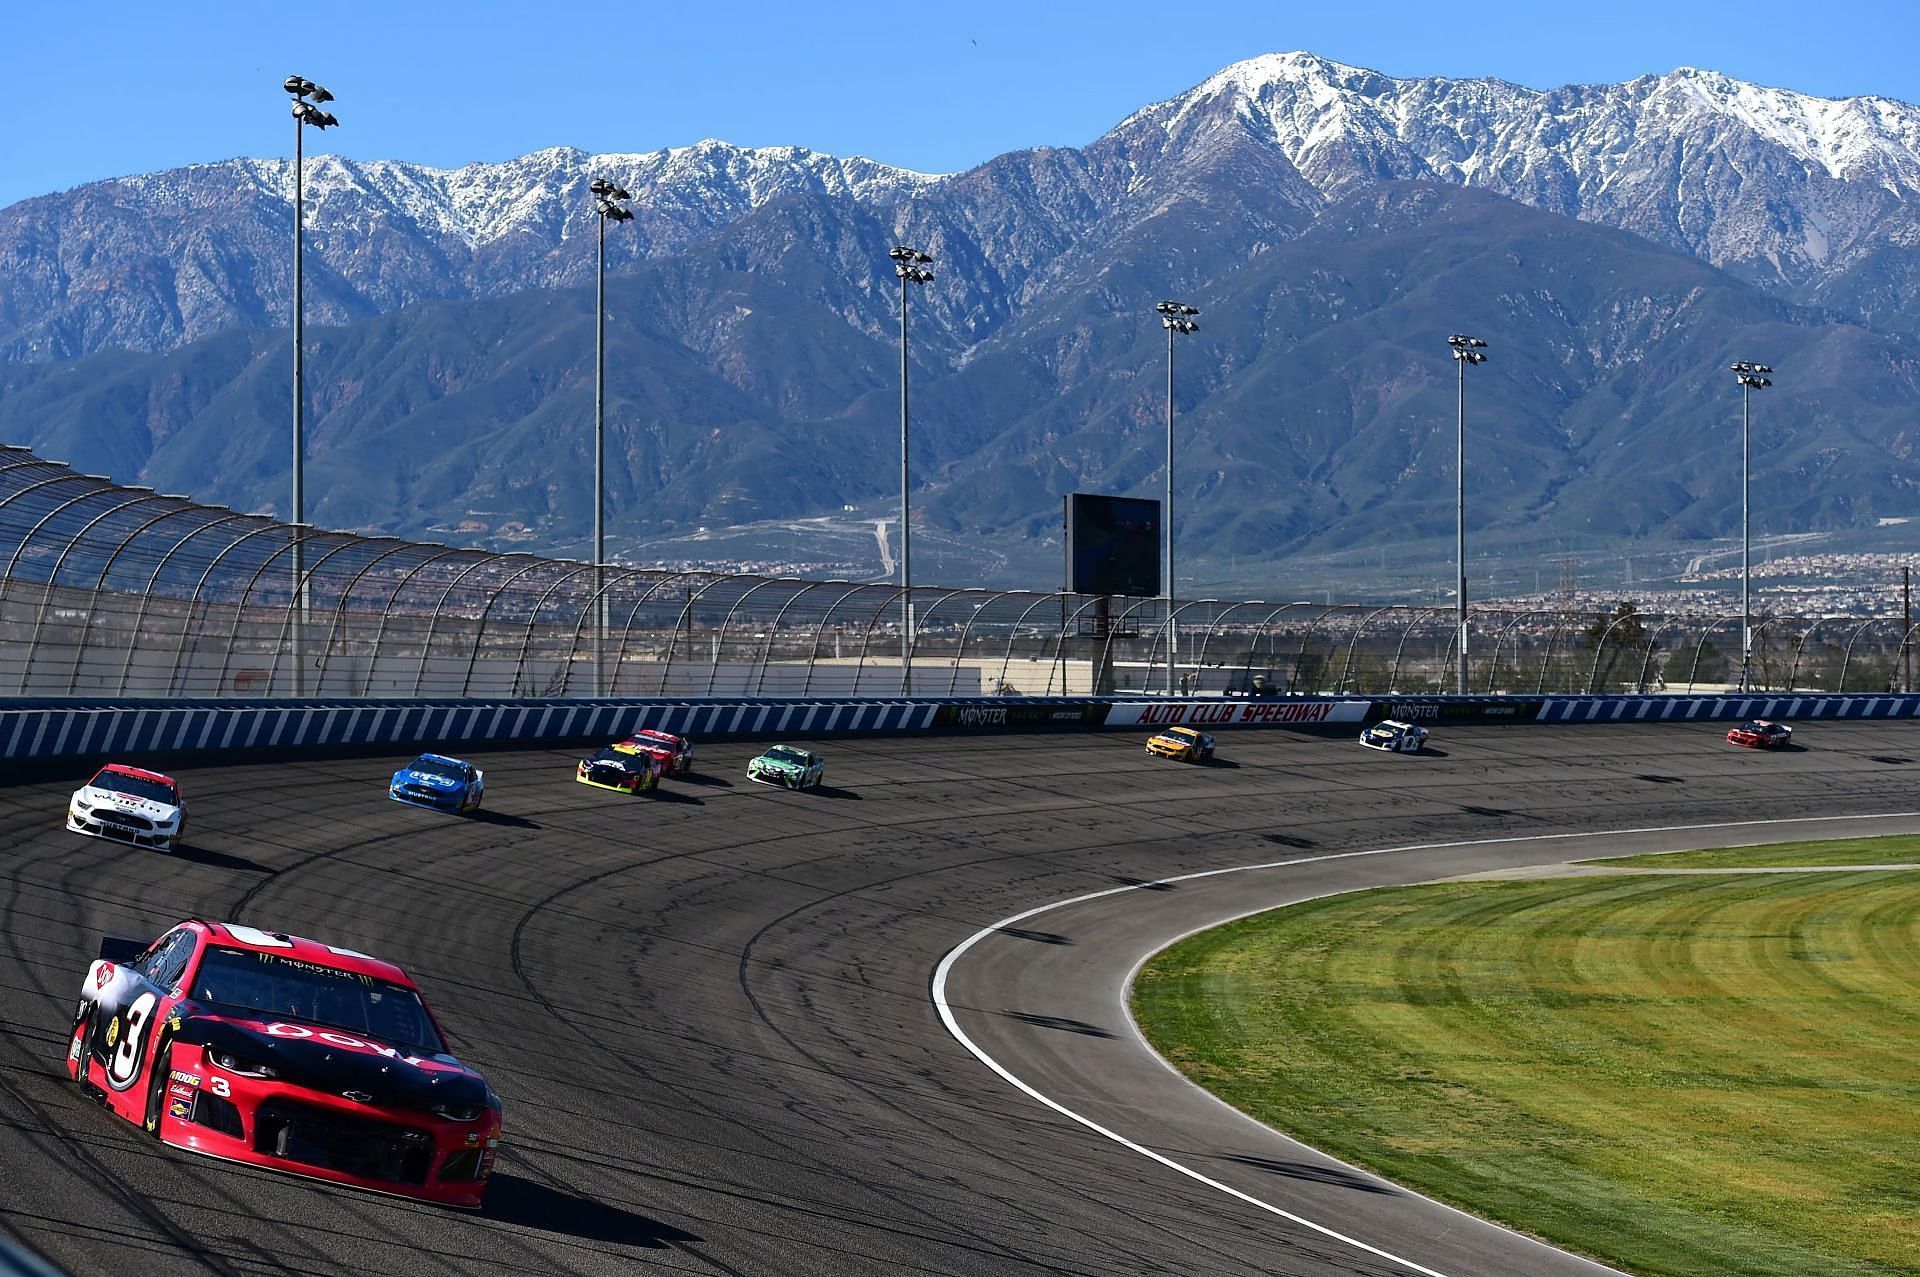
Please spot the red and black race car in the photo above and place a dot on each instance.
(675, 752)
(260, 1047)
(1760, 733)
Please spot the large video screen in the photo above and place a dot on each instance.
(1113, 545)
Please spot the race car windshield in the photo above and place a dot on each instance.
(612, 754)
(434, 767)
(276, 985)
(121, 783)
(781, 754)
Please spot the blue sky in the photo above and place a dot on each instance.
(92, 91)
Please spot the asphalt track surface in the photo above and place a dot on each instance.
(711, 1014)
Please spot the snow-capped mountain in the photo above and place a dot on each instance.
(1775, 183)
(146, 262)
(1805, 195)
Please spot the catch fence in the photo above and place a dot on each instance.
(107, 590)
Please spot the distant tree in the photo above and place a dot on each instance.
(1704, 663)
(1622, 633)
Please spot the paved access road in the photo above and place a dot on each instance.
(710, 1015)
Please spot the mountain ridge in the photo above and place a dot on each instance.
(1804, 194)
(1332, 223)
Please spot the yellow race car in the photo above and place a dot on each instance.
(1182, 743)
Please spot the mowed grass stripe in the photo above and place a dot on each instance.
(1678, 1075)
(1902, 849)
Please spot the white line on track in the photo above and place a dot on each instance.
(941, 973)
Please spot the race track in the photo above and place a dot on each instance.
(710, 1014)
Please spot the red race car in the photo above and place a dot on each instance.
(1760, 733)
(675, 752)
(260, 1047)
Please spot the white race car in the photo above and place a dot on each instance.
(129, 805)
(1395, 737)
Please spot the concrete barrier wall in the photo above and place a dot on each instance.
(42, 729)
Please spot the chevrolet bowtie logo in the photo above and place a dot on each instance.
(358, 1097)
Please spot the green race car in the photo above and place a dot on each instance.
(789, 766)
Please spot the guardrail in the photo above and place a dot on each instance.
(95, 729)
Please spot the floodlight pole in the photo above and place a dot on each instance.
(1460, 526)
(1752, 377)
(906, 515)
(1173, 641)
(608, 205)
(304, 113)
(299, 417)
(1175, 317)
(910, 265)
(1466, 350)
(1746, 534)
(600, 458)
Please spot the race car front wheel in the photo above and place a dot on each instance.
(82, 1039)
(162, 1065)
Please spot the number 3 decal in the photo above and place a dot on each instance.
(220, 1087)
(123, 1066)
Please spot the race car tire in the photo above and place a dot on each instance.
(162, 1065)
(83, 1033)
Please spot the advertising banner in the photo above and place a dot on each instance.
(989, 716)
(1236, 713)
(1455, 709)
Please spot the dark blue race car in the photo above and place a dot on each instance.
(444, 784)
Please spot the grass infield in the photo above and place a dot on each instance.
(1676, 1075)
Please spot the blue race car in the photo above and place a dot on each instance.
(444, 784)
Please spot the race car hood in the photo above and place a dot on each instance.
(338, 1062)
(95, 796)
(426, 780)
(777, 765)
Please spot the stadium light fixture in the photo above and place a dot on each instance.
(1751, 377)
(910, 266)
(1178, 319)
(1466, 350)
(305, 95)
